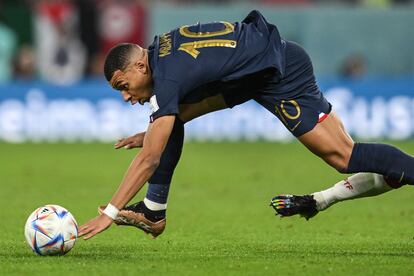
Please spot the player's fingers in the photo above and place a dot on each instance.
(90, 235)
(118, 145)
(83, 227)
(96, 230)
(125, 143)
(121, 143)
(83, 230)
(128, 146)
(89, 230)
(129, 143)
(133, 145)
(137, 144)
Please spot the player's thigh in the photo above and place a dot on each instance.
(299, 115)
(330, 141)
(190, 111)
(297, 101)
(310, 119)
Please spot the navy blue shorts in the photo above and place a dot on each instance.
(295, 99)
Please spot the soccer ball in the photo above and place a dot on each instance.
(51, 230)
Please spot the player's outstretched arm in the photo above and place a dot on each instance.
(140, 170)
(134, 141)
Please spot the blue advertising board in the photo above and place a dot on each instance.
(92, 111)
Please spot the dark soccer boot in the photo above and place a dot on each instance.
(290, 205)
(133, 215)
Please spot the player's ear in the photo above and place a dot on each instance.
(140, 66)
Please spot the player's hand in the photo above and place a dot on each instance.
(135, 141)
(94, 226)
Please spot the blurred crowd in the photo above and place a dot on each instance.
(63, 41)
(373, 3)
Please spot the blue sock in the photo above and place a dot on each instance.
(159, 183)
(382, 159)
(158, 192)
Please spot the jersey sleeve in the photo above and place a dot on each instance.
(164, 100)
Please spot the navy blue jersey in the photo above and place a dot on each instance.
(190, 57)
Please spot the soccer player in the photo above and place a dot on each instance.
(194, 70)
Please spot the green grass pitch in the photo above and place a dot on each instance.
(219, 221)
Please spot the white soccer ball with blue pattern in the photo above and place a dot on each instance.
(51, 230)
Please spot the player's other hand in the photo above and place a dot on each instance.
(94, 226)
(135, 141)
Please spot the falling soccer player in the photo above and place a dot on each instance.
(193, 70)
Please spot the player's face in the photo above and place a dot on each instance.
(134, 83)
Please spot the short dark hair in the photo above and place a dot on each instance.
(117, 58)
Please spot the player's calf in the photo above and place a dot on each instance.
(382, 159)
(355, 186)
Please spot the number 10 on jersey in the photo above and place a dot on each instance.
(191, 47)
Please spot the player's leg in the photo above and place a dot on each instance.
(356, 186)
(297, 101)
(307, 114)
(338, 151)
(329, 141)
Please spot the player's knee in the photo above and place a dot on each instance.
(341, 167)
(338, 160)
